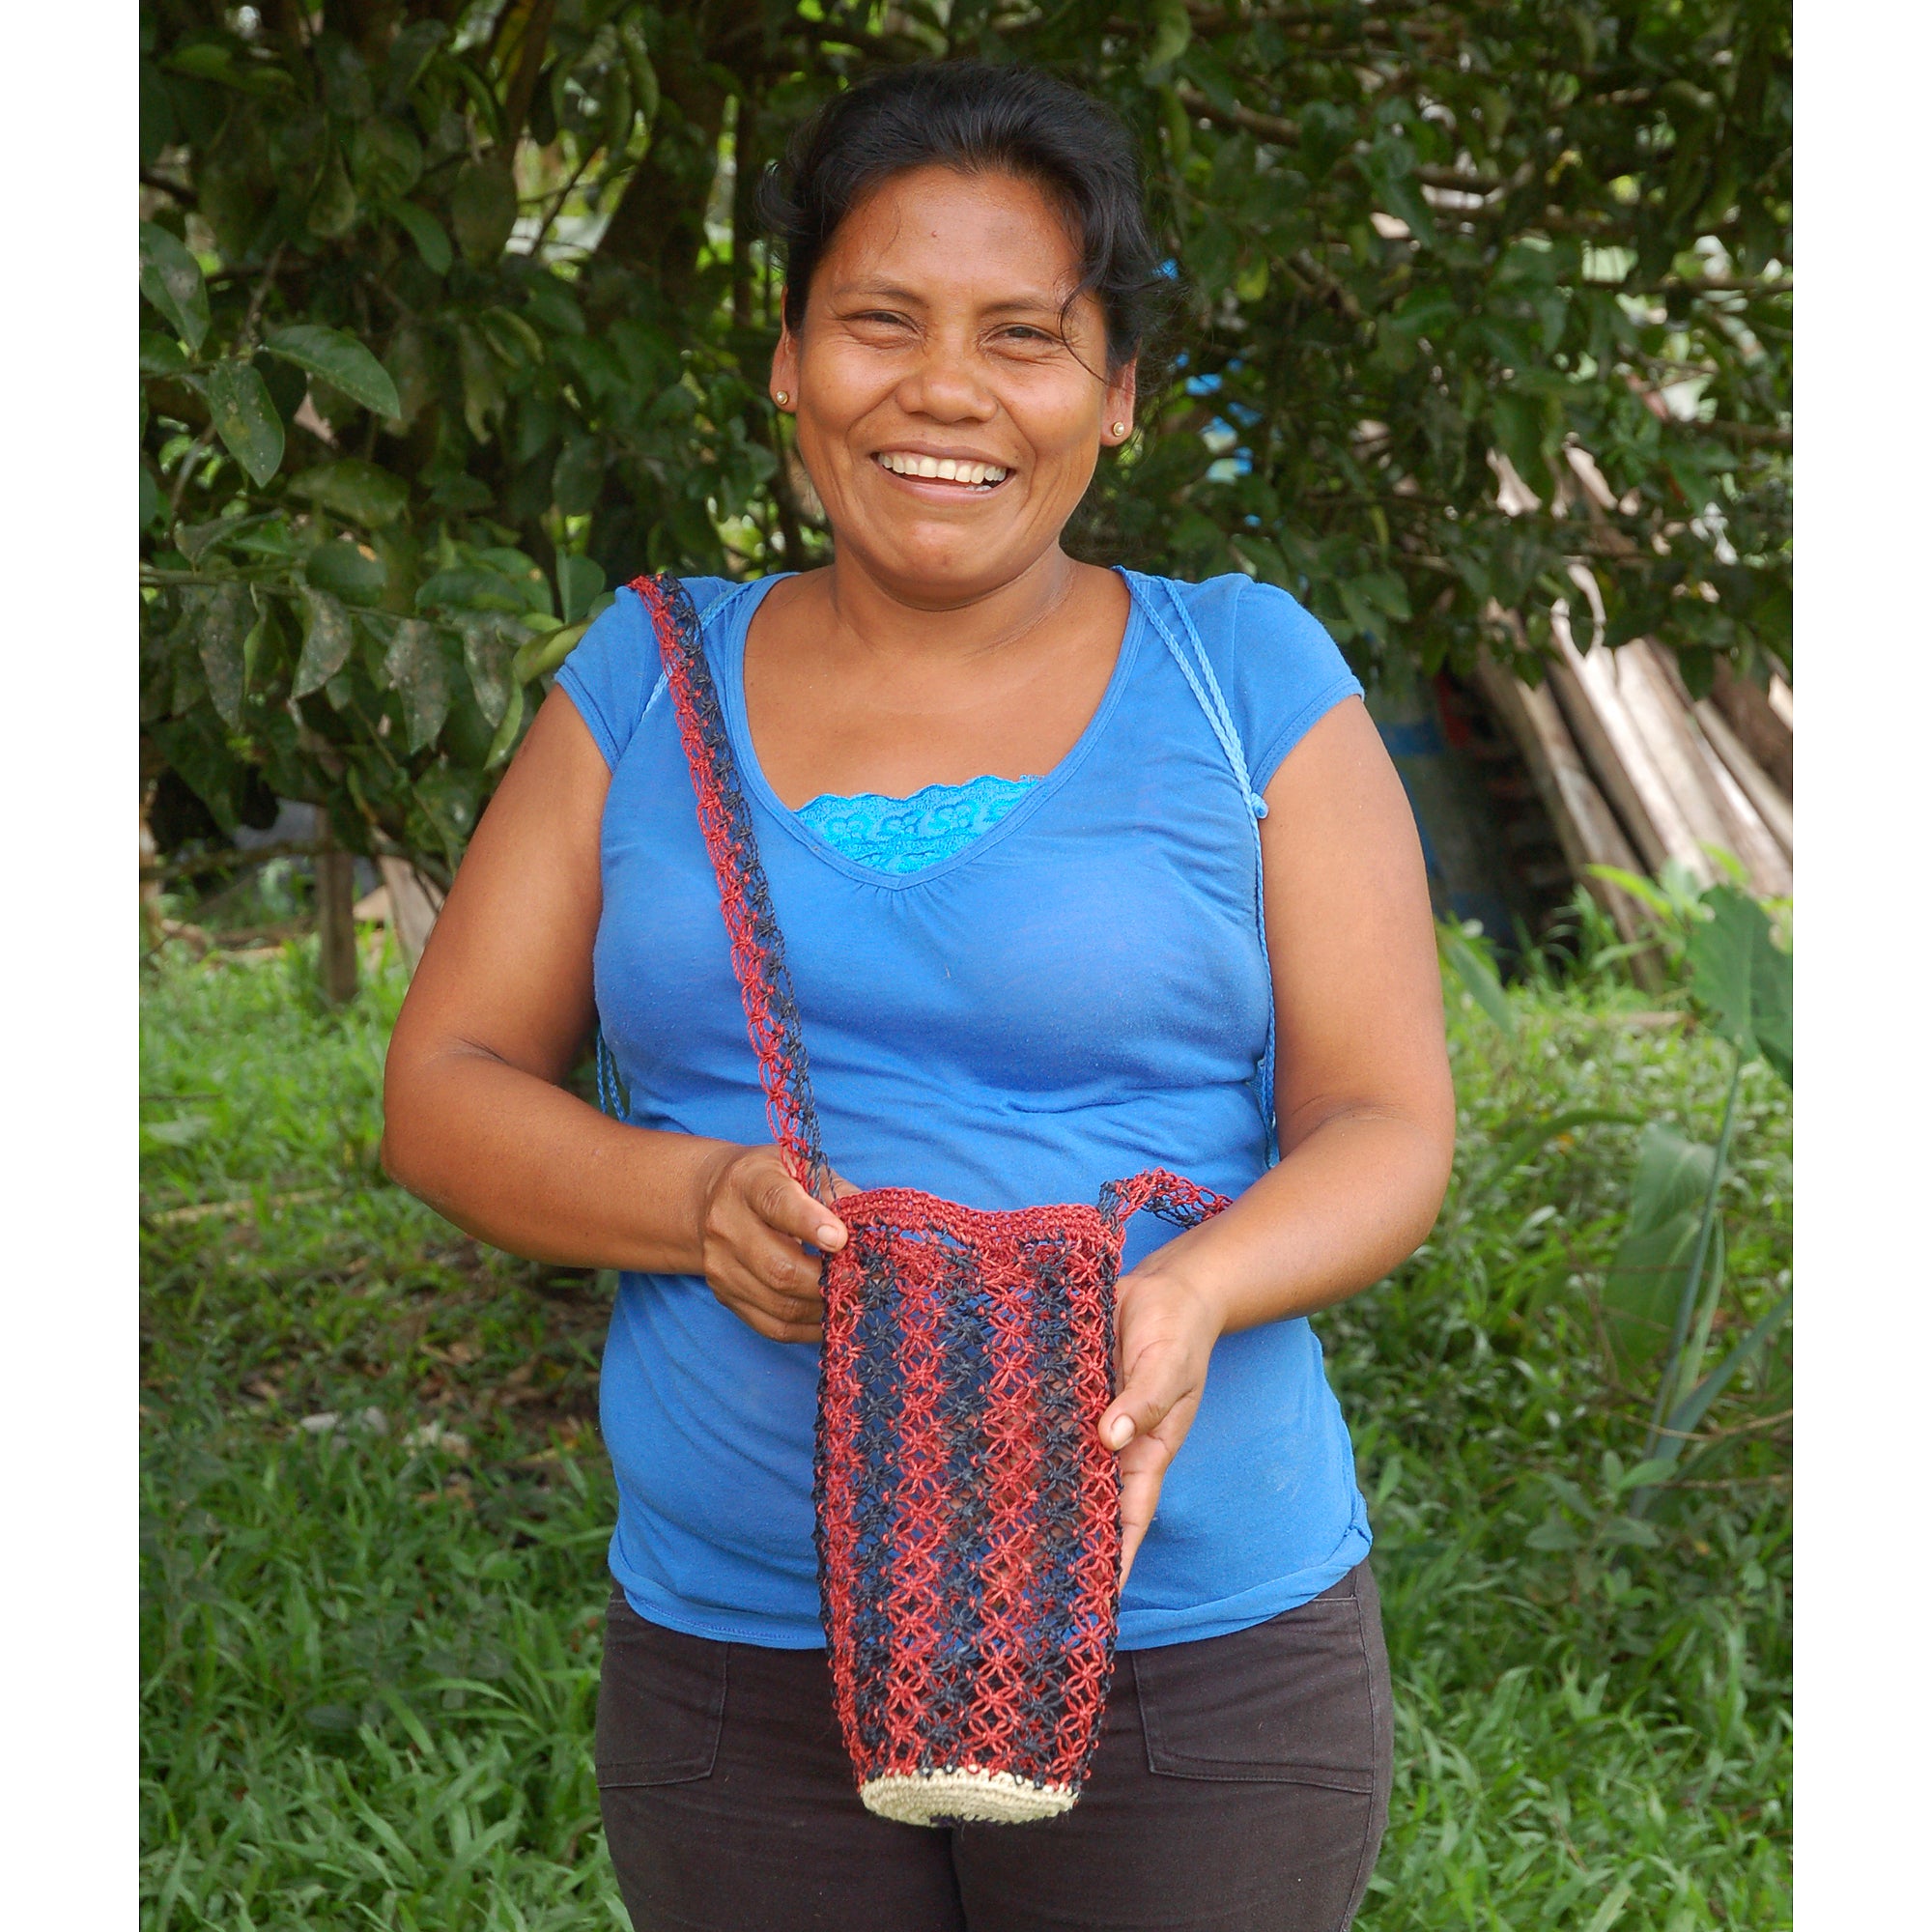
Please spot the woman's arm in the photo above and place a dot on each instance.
(1366, 1112)
(477, 1121)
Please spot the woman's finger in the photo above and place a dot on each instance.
(784, 1317)
(783, 1266)
(783, 1282)
(1142, 1470)
(780, 1203)
(1159, 1377)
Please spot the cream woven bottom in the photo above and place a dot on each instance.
(966, 1796)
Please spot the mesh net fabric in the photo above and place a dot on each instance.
(967, 1520)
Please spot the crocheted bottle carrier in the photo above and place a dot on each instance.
(968, 1517)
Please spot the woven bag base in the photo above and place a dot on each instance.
(964, 1797)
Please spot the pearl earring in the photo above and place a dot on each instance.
(782, 397)
(1119, 429)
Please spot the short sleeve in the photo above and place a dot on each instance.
(610, 674)
(1280, 670)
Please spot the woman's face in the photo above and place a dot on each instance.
(934, 339)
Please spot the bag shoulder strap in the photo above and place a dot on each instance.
(1198, 671)
(725, 817)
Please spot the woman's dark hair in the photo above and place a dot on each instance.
(975, 118)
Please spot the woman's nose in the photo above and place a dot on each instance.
(947, 385)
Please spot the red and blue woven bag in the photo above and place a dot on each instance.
(968, 1517)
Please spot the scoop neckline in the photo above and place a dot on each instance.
(738, 726)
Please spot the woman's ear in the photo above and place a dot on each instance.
(785, 363)
(1119, 412)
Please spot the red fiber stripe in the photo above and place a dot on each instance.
(838, 1392)
(714, 815)
(1000, 1735)
(919, 1566)
(1088, 1668)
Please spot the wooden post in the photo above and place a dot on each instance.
(336, 917)
(413, 904)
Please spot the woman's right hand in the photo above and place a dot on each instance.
(754, 1220)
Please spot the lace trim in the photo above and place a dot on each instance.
(908, 834)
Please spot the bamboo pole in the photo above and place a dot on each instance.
(1586, 828)
(1610, 739)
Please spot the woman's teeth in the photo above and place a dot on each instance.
(942, 469)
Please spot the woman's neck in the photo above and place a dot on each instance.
(884, 622)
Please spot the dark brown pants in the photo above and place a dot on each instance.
(1241, 1785)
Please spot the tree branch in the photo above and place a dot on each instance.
(555, 208)
(1286, 134)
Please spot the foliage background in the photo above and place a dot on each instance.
(455, 315)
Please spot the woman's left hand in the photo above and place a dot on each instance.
(1165, 1328)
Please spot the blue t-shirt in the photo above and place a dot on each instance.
(1078, 993)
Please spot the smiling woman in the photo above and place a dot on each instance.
(1077, 872)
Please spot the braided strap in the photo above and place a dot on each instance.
(1162, 1194)
(757, 948)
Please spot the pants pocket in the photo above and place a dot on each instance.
(660, 1702)
(1301, 1699)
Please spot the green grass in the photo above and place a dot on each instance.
(370, 1651)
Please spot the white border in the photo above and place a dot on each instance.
(1864, 760)
(67, 1426)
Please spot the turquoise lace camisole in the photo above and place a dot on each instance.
(908, 834)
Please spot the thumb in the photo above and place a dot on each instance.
(1140, 1408)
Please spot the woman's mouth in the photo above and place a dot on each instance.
(960, 473)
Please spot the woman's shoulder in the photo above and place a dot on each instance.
(611, 673)
(1275, 663)
(1237, 609)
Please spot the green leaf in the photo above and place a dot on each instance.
(1172, 32)
(1477, 973)
(643, 76)
(385, 156)
(157, 114)
(1741, 979)
(154, 503)
(483, 208)
(171, 279)
(244, 416)
(578, 579)
(160, 355)
(348, 569)
(196, 540)
(222, 621)
(577, 476)
(504, 742)
(333, 208)
(363, 491)
(469, 587)
(425, 231)
(1553, 1533)
(328, 636)
(339, 360)
(542, 655)
(486, 657)
(413, 666)
(448, 800)
(1645, 1280)
(1692, 1411)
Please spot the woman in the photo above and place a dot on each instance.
(1012, 851)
